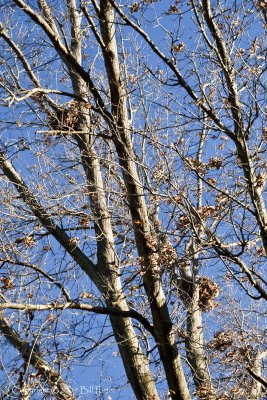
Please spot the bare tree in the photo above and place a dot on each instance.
(133, 171)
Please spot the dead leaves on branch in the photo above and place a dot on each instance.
(136, 6)
(197, 165)
(205, 393)
(28, 241)
(173, 8)
(232, 345)
(208, 291)
(264, 133)
(238, 355)
(262, 5)
(65, 119)
(206, 212)
(7, 283)
(261, 179)
(167, 256)
(221, 341)
(87, 295)
(215, 162)
(201, 167)
(203, 213)
(177, 48)
(84, 221)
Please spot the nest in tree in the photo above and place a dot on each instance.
(208, 290)
(65, 118)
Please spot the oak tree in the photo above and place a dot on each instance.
(133, 202)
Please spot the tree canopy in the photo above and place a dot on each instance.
(133, 204)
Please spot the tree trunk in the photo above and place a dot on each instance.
(195, 347)
(146, 242)
(135, 363)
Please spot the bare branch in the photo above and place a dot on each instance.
(42, 215)
(74, 305)
(58, 386)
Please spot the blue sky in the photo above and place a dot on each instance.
(18, 123)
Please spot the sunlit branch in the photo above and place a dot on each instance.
(45, 219)
(257, 377)
(39, 270)
(74, 305)
(210, 113)
(57, 385)
(68, 57)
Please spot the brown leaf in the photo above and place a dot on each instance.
(74, 240)
(135, 7)
(86, 295)
(84, 221)
(178, 48)
(7, 283)
(215, 162)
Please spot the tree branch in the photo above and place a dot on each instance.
(74, 305)
(58, 386)
(257, 377)
(210, 113)
(68, 57)
(41, 214)
(40, 271)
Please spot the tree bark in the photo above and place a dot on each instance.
(58, 386)
(240, 134)
(135, 363)
(195, 347)
(146, 242)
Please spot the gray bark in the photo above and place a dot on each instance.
(145, 238)
(258, 382)
(58, 386)
(188, 285)
(135, 363)
(195, 347)
(240, 135)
